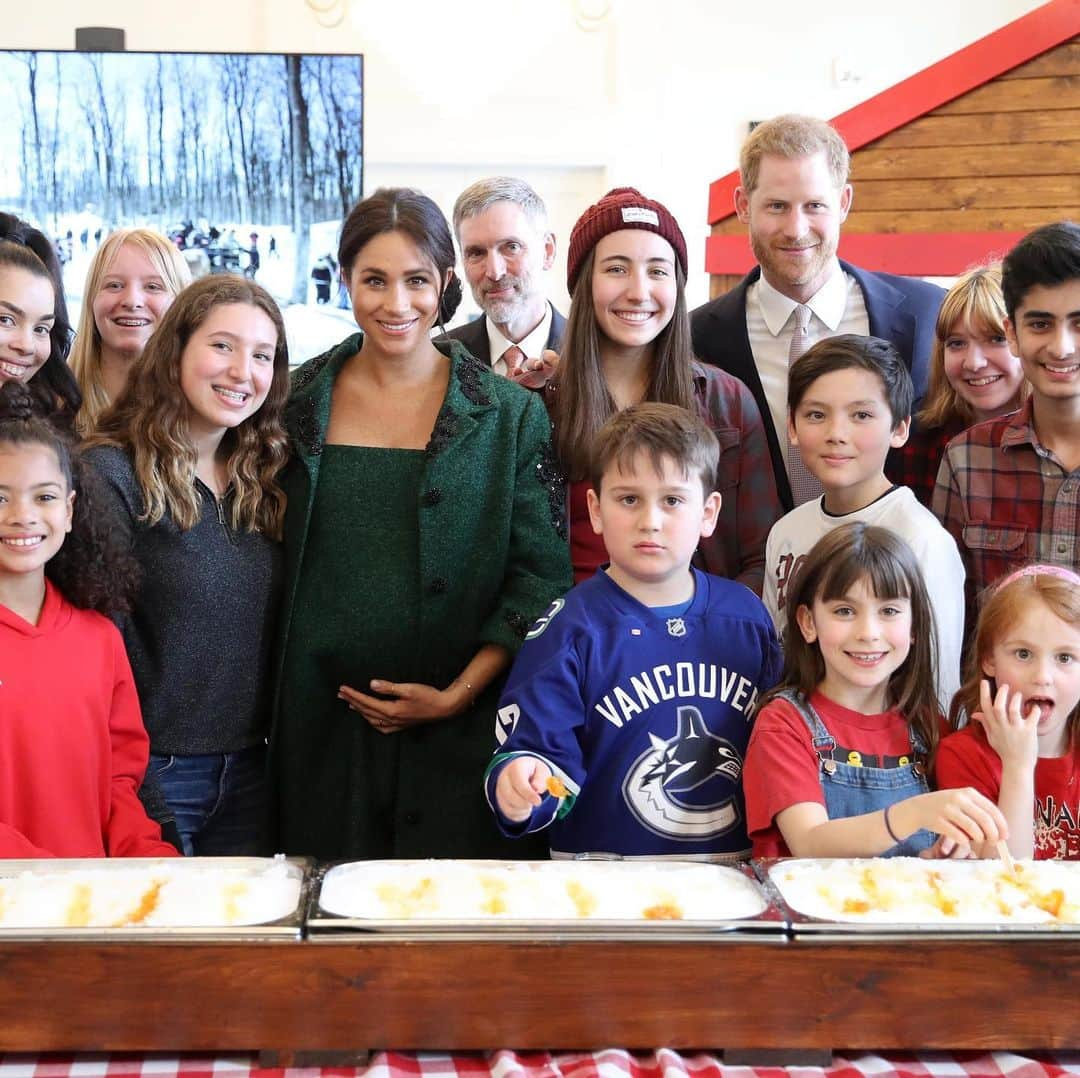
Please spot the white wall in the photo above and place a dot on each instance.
(657, 97)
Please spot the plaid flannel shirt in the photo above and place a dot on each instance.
(915, 464)
(1007, 501)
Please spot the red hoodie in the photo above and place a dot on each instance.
(73, 750)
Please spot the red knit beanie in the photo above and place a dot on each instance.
(622, 207)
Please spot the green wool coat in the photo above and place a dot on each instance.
(493, 555)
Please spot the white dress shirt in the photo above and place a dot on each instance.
(837, 307)
(532, 345)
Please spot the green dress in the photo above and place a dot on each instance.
(358, 641)
(401, 565)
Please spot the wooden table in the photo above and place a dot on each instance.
(290, 999)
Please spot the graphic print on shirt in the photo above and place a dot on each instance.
(683, 763)
(1056, 832)
(786, 568)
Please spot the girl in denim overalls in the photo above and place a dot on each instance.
(837, 762)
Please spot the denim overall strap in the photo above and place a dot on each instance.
(852, 790)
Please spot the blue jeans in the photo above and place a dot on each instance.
(219, 800)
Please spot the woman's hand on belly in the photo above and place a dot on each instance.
(407, 704)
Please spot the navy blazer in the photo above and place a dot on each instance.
(902, 310)
(474, 336)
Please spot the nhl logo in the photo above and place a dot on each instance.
(676, 627)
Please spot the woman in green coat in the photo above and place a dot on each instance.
(425, 531)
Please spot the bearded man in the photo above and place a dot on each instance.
(794, 195)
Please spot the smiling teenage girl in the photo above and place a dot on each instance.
(132, 281)
(191, 452)
(28, 260)
(628, 341)
(973, 376)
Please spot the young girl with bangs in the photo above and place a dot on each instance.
(627, 341)
(132, 281)
(1023, 693)
(973, 376)
(73, 750)
(191, 452)
(837, 761)
(35, 333)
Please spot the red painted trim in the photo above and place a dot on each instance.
(978, 63)
(910, 254)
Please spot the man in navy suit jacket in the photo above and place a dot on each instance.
(507, 250)
(793, 196)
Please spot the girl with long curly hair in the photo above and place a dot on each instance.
(191, 452)
(73, 750)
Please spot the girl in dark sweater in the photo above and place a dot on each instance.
(191, 451)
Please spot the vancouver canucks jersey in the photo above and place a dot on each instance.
(644, 719)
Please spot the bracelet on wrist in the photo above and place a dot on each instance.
(470, 692)
(888, 827)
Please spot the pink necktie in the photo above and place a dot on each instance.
(804, 484)
(513, 358)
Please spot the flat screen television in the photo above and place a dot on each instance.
(248, 161)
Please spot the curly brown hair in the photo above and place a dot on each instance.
(150, 419)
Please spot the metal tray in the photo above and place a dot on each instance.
(802, 924)
(324, 923)
(289, 927)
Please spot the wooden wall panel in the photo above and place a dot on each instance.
(1064, 60)
(1013, 219)
(985, 192)
(994, 129)
(1060, 157)
(1016, 95)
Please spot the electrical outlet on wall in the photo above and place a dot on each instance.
(845, 71)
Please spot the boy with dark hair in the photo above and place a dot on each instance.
(1009, 489)
(625, 719)
(849, 403)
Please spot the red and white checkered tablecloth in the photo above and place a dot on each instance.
(613, 1063)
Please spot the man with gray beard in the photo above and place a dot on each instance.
(507, 251)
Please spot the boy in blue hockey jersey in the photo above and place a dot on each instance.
(625, 719)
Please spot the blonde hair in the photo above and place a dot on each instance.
(974, 301)
(149, 420)
(1003, 608)
(85, 359)
(792, 136)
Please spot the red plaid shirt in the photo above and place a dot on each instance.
(915, 464)
(1007, 501)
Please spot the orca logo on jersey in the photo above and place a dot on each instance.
(544, 620)
(684, 762)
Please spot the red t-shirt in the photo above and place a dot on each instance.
(966, 759)
(782, 768)
(73, 750)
